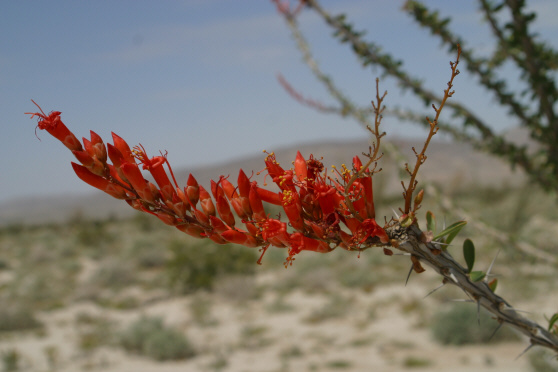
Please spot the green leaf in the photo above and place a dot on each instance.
(493, 284)
(477, 276)
(552, 321)
(469, 254)
(451, 231)
(430, 222)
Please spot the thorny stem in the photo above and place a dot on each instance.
(421, 158)
(444, 264)
(453, 273)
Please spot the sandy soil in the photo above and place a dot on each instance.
(375, 334)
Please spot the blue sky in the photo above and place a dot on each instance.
(197, 78)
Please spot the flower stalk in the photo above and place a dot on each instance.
(321, 213)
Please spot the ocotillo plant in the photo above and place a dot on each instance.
(323, 212)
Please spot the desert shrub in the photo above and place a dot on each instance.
(201, 311)
(197, 267)
(339, 364)
(93, 234)
(237, 288)
(148, 336)
(4, 265)
(459, 325)
(133, 338)
(168, 344)
(93, 331)
(17, 319)
(11, 360)
(41, 288)
(253, 336)
(147, 255)
(416, 362)
(336, 307)
(114, 274)
(542, 361)
(144, 222)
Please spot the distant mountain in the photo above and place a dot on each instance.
(451, 165)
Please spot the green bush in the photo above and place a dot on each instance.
(17, 319)
(194, 267)
(147, 255)
(460, 325)
(148, 336)
(11, 360)
(168, 344)
(115, 274)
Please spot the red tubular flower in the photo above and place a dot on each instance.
(182, 196)
(241, 238)
(301, 170)
(357, 163)
(228, 188)
(215, 237)
(274, 232)
(223, 207)
(56, 128)
(366, 183)
(205, 201)
(116, 174)
(218, 225)
(370, 228)
(123, 147)
(327, 196)
(96, 148)
(192, 230)
(155, 167)
(359, 199)
(317, 229)
(273, 167)
(92, 162)
(244, 185)
(315, 168)
(134, 176)
(201, 217)
(117, 158)
(114, 155)
(293, 209)
(270, 196)
(84, 158)
(177, 205)
(99, 182)
(241, 205)
(167, 218)
(299, 242)
(282, 178)
(256, 204)
(192, 190)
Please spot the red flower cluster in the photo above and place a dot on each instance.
(323, 213)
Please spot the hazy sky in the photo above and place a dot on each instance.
(197, 78)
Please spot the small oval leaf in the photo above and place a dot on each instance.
(493, 284)
(430, 222)
(451, 231)
(469, 254)
(477, 276)
(552, 321)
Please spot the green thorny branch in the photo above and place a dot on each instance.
(346, 108)
(412, 240)
(515, 42)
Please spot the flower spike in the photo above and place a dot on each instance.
(313, 206)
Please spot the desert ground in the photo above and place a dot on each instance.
(82, 292)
